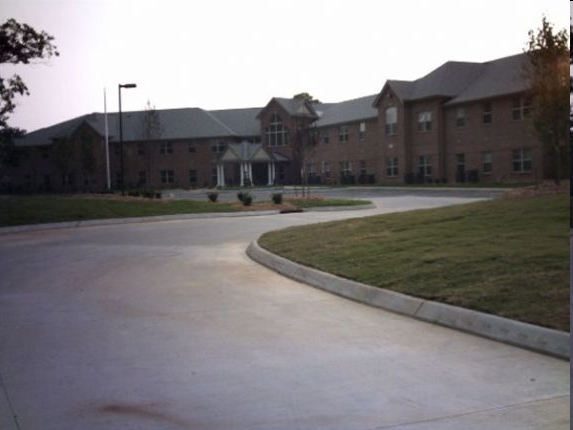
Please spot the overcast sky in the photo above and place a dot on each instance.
(220, 54)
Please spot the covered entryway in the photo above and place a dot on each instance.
(246, 164)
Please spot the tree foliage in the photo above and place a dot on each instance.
(20, 44)
(306, 97)
(546, 73)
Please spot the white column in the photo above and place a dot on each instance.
(274, 171)
(222, 174)
(242, 169)
(269, 170)
(250, 167)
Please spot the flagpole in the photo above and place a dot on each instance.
(108, 176)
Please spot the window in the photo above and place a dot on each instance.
(425, 165)
(142, 178)
(345, 168)
(326, 169)
(343, 134)
(362, 131)
(192, 148)
(67, 179)
(218, 147)
(487, 113)
(520, 108)
(486, 163)
(140, 148)
(391, 116)
(193, 176)
(460, 117)
(324, 136)
(392, 167)
(166, 148)
(522, 161)
(363, 170)
(276, 132)
(425, 121)
(167, 176)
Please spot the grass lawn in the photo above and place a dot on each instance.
(22, 210)
(505, 257)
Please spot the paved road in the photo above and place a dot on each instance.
(170, 326)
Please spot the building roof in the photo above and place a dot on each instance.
(463, 81)
(347, 111)
(499, 77)
(242, 121)
(187, 123)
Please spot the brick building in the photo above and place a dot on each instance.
(461, 122)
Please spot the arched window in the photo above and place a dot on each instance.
(391, 115)
(276, 132)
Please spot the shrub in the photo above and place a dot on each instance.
(240, 196)
(247, 199)
(277, 198)
(213, 196)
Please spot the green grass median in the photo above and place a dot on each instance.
(504, 257)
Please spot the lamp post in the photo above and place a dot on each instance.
(119, 87)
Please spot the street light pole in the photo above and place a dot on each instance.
(119, 87)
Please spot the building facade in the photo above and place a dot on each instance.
(463, 122)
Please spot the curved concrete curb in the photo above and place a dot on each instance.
(113, 221)
(545, 340)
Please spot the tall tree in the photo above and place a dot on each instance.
(152, 131)
(19, 44)
(546, 73)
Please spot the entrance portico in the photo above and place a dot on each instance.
(250, 159)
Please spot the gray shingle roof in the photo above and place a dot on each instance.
(242, 121)
(187, 123)
(464, 82)
(348, 111)
(498, 77)
(296, 107)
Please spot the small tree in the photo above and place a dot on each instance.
(546, 73)
(304, 143)
(152, 130)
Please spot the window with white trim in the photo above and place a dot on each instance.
(218, 147)
(425, 121)
(343, 134)
(167, 176)
(486, 163)
(521, 108)
(276, 131)
(425, 165)
(361, 131)
(326, 169)
(521, 161)
(166, 148)
(345, 168)
(460, 117)
(487, 113)
(391, 119)
(325, 138)
(392, 167)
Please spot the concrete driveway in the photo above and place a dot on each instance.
(169, 325)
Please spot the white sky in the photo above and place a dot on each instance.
(221, 54)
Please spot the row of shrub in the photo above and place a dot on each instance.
(246, 198)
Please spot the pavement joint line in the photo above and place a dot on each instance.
(528, 336)
(469, 413)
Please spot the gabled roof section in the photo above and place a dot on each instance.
(293, 107)
(245, 151)
(243, 122)
(348, 111)
(499, 77)
(463, 81)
